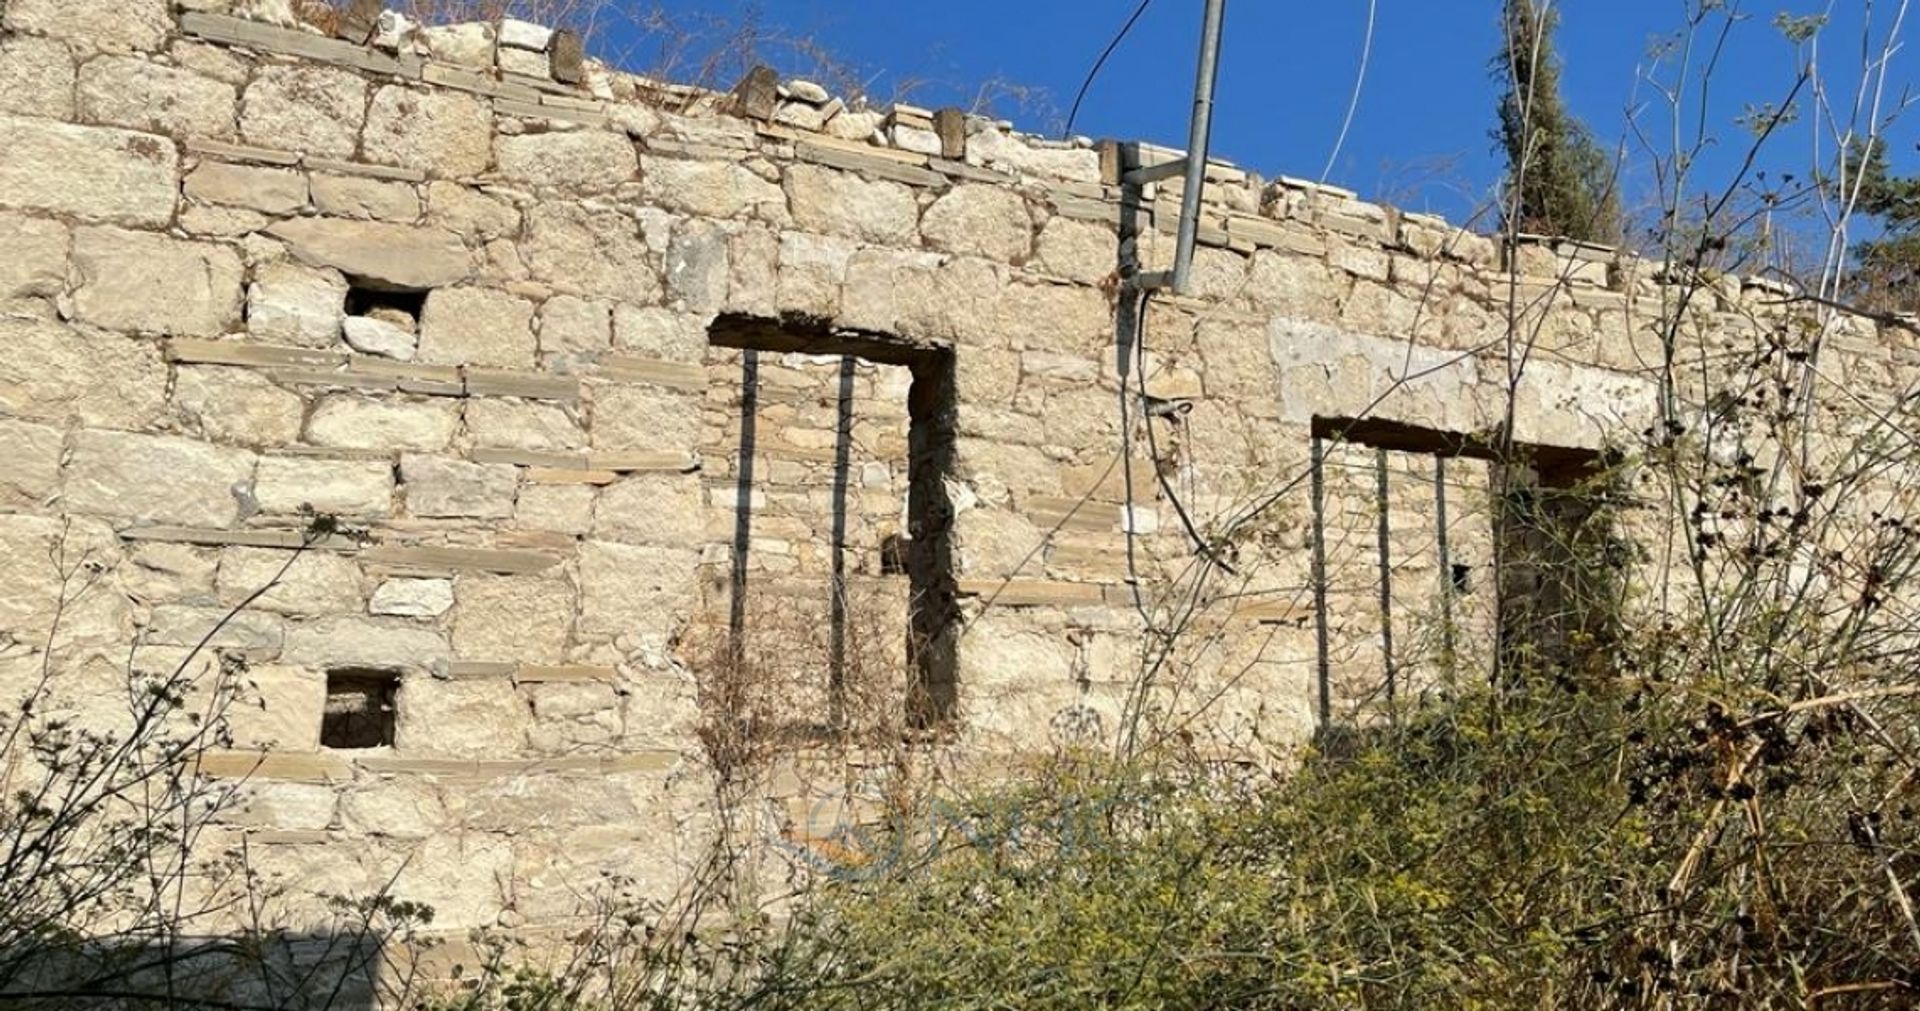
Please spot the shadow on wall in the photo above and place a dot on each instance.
(267, 972)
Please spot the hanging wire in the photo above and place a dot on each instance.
(1359, 82)
(1100, 64)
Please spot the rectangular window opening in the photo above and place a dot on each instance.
(359, 711)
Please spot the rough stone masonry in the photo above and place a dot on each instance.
(587, 365)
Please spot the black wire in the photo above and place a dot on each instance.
(1100, 63)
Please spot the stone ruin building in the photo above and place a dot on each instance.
(603, 380)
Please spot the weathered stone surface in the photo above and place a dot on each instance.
(666, 509)
(413, 598)
(309, 583)
(184, 625)
(584, 160)
(102, 24)
(660, 333)
(712, 189)
(519, 618)
(269, 190)
(436, 486)
(153, 284)
(381, 337)
(843, 204)
(469, 44)
(560, 508)
(1011, 154)
(36, 77)
(697, 267)
(981, 220)
(350, 488)
(368, 199)
(461, 718)
(644, 417)
(142, 95)
(384, 254)
(55, 373)
(286, 718)
(572, 326)
(362, 642)
(1078, 250)
(634, 591)
(589, 252)
(522, 424)
(36, 260)
(477, 326)
(1055, 317)
(290, 303)
(32, 472)
(237, 406)
(470, 212)
(157, 479)
(96, 173)
(443, 133)
(312, 109)
(350, 422)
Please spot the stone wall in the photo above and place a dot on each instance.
(466, 294)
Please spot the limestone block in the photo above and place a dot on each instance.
(270, 190)
(351, 488)
(477, 326)
(574, 326)
(652, 509)
(522, 62)
(697, 267)
(307, 108)
(442, 132)
(560, 508)
(459, 875)
(1578, 407)
(582, 160)
(91, 172)
(525, 35)
(1287, 283)
(203, 221)
(995, 149)
(351, 422)
(157, 479)
(409, 807)
(209, 60)
(36, 583)
(468, 718)
(436, 486)
(239, 406)
(149, 283)
(522, 424)
(367, 199)
(307, 583)
(269, 804)
(36, 77)
(512, 618)
(711, 189)
(384, 254)
(470, 212)
(380, 337)
(1065, 318)
(116, 25)
(660, 333)
(629, 590)
(1328, 373)
(643, 417)
(1079, 250)
(470, 44)
(812, 269)
(413, 598)
(840, 203)
(32, 471)
(982, 220)
(363, 642)
(53, 372)
(141, 95)
(218, 627)
(589, 252)
(36, 260)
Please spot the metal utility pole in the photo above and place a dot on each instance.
(1199, 139)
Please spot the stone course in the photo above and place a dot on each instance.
(502, 313)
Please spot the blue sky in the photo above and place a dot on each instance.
(1421, 136)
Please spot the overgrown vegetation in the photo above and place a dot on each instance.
(1561, 181)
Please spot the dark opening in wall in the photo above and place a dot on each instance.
(360, 709)
(922, 551)
(364, 300)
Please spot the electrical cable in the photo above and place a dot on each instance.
(1100, 64)
(1360, 81)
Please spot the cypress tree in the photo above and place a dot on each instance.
(1560, 180)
